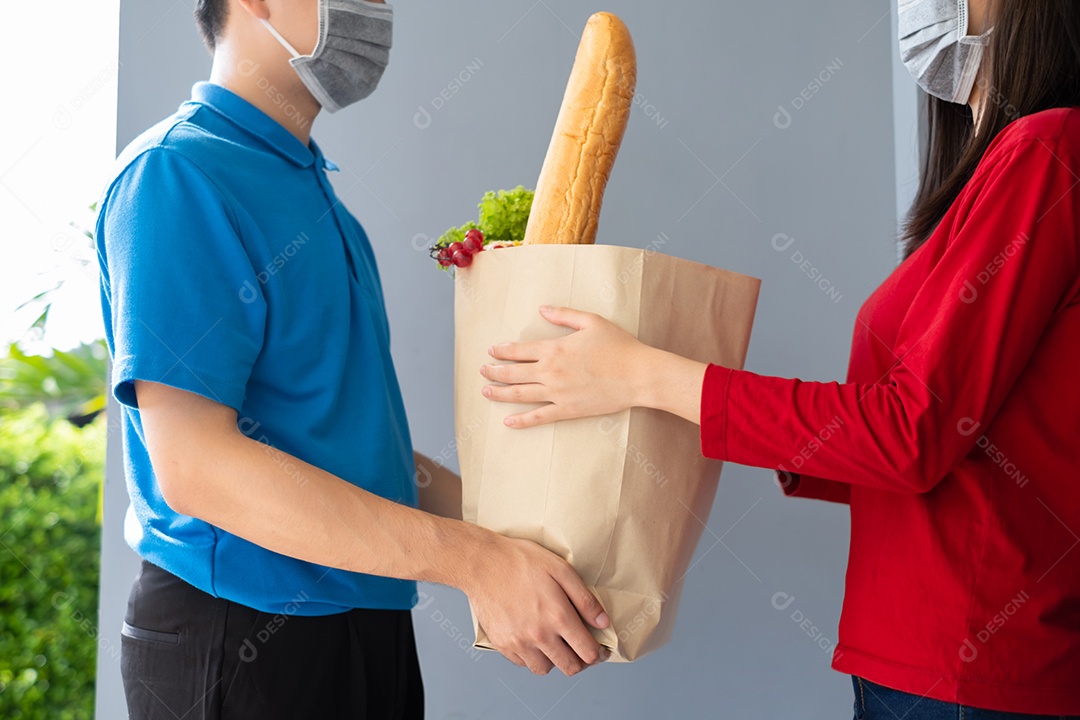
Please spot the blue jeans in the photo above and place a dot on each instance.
(875, 702)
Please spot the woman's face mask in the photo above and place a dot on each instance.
(351, 54)
(935, 47)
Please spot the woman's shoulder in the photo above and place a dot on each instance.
(1056, 128)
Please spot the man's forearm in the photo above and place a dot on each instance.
(291, 507)
(530, 599)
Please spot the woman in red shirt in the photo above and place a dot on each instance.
(956, 438)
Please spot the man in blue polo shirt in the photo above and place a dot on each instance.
(267, 453)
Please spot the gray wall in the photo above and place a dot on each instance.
(757, 120)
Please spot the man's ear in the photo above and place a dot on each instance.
(256, 8)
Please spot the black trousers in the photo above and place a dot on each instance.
(190, 656)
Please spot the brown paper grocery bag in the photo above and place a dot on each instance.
(624, 497)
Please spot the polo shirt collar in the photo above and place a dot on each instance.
(254, 121)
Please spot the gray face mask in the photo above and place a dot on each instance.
(351, 55)
(934, 46)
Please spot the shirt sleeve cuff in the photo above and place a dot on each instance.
(714, 407)
(813, 488)
(129, 368)
(789, 482)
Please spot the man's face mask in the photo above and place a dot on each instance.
(351, 54)
(934, 46)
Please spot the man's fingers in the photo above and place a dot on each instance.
(536, 661)
(518, 352)
(566, 659)
(584, 601)
(567, 317)
(582, 643)
(584, 604)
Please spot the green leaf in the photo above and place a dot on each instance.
(504, 215)
(67, 382)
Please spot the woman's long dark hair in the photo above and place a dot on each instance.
(1034, 56)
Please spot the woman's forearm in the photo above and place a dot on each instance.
(669, 382)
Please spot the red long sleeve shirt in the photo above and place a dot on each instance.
(955, 441)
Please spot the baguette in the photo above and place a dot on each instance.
(588, 132)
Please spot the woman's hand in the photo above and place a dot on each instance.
(599, 369)
(589, 372)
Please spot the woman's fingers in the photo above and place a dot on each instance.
(567, 317)
(513, 374)
(519, 351)
(540, 416)
(529, 393)
(534, 350)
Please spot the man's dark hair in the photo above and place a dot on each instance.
(210, 16)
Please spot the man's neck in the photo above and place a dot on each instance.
(284, 98)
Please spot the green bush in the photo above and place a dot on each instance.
(51, 473)
(70, 383)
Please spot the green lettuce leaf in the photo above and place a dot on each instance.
(503, 218)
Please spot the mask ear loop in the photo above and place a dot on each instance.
(969, 73)
(962, 27)
(961, 18)
(285, 43)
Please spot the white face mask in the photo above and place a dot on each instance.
(351, 54)
(934, 46)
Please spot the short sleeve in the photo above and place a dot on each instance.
(182, 302)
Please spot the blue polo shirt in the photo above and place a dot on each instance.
(230, 269)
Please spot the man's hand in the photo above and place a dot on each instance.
(520, 590)
(531, 603)
(206, 468)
